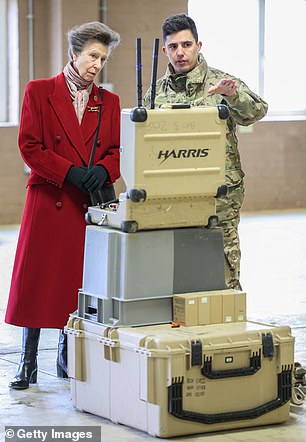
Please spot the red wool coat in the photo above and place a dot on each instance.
(48, 264)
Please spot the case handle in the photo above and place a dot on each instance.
(255, 365)
(175, 403)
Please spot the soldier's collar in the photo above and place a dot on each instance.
(198, 73)
(195, 76)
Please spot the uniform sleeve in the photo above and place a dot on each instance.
(42, 160)
(146, 99)
(160, 95)
(245, 106)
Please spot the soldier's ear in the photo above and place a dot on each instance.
(164, 50)
(199, 44)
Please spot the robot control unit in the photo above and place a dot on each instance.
(172, 162)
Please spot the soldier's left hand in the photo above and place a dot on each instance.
(224, 87)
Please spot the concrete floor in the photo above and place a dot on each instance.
(274, 277)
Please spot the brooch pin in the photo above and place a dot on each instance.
(93, 108)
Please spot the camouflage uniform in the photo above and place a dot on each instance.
(245, 108)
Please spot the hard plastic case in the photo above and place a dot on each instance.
(173, 165)
(178, 381)
(130, 278)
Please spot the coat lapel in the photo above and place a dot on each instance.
(62, 105)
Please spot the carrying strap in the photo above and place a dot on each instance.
(107, 192)
(94, 146)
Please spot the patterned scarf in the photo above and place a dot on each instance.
(79, 89)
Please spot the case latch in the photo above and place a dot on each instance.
(196, 353)
(267, 345)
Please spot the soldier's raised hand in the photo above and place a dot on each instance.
(224, 87)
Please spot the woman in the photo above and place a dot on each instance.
(57, 129)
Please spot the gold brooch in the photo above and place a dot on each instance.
(93, 108)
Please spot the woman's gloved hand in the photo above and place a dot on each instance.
(94, 178)
(75, 176)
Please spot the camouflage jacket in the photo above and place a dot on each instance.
(245, 106)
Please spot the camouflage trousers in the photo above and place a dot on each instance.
(228, 211)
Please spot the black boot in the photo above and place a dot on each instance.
(27, 370)
(61, 361)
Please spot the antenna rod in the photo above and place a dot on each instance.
(138, 72)
(138, 114)
(154, 73)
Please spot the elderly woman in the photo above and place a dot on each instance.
(58, 124)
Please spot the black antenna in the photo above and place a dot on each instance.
(138, 72)
(154, 73)
(139, 113)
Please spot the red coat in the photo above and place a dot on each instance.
(48, 264)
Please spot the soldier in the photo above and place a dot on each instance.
(189, 79)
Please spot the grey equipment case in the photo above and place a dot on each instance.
(130, 278)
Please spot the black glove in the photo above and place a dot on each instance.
(95, 178)
(75, 175)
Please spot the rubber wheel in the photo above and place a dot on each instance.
(222, 191)
(213, 221)
(129, 226)
(137, 195)
(88, 218)
(223, 111)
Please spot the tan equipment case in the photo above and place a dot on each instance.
(173, 165)
(176, 381)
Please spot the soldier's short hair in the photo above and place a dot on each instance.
(179, 22)
(79, 35)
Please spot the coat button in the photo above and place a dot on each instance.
(59, 204)
(99, 143)
(58, 138)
